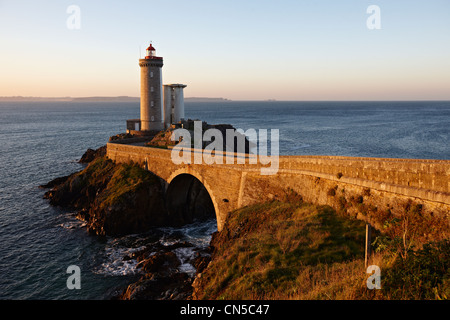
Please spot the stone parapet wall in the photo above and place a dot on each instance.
(425, 174)
(381, 183)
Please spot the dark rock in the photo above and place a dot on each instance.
(120, 136)
(114, 200)
(223, 128)
(161, 262)
(135, 212)
(55, 182)
(176, 286)
(90, 154)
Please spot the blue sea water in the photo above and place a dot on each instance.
(40, 141)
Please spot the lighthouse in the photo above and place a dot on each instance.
(173, 103)
(159, 109)
(152, 110)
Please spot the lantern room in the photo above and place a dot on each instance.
(151, 53)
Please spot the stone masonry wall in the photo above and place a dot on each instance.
(363, 187)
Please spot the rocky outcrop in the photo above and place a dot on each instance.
(231, 144)
(162, 279)
(175, 287)
(163, 139)
(120, 136)
(113, 199)
(91, 154)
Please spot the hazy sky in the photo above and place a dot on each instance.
(236, 49)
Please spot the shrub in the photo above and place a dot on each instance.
(331, 192)
(342, 203)
(424, 274)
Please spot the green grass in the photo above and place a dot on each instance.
(97, 169)
(125, 179)
(295, 250)
(265, 248)
(115, 180)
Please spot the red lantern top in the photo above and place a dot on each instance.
(151, 53)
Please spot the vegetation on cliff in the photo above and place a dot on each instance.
(294, 250)
(282, 250)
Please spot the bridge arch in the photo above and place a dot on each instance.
(186, 186)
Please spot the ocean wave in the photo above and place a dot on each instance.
(72, 224)
(119, 252)
(116, 263)
(186, 255)
(197, 233)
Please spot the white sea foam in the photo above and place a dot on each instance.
(115, 264)
(73, 223)
(185, 255)
(198, 234)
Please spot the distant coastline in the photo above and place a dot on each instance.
(187, 99)
(102, 99)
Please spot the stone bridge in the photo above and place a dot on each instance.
(328, 180)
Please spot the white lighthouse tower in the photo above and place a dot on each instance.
(173, 103)
(159, 109)
(152, 111)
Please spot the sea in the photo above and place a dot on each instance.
(40, 141)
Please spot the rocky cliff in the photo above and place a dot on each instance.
(120, 199)
(113, 199)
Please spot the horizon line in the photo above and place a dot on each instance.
(9, 98)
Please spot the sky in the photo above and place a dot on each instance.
(235, 49)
